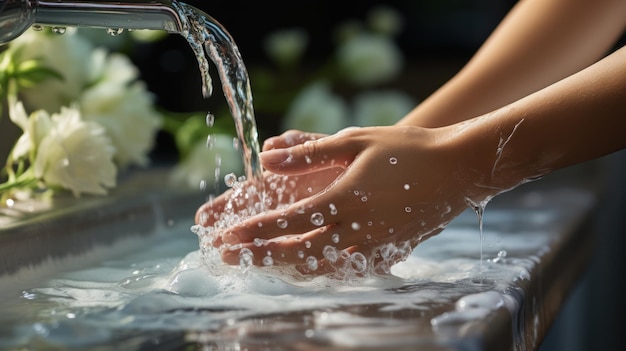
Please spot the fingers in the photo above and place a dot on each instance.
(312, 253)
(290, 138)
(209, 212)
(310, 156)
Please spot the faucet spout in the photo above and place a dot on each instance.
(16, 16)
(129, 14)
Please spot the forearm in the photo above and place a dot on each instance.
(574, 120)
(537, 44)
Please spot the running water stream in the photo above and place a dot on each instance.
(211, 42)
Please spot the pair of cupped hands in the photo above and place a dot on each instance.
(367, 190)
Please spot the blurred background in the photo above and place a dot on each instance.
(435, 39)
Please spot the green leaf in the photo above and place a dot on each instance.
(31, 72)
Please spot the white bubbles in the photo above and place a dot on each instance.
(311, 263)
(501, 257)
(282, 223)
(330, 253)
(317, 219)
(355, 226)
(268, 261)
(406, 187)
(408, 209)
(335, 238)
(300, 254)
(230, 180)
(307, 244)
(358, 261)
(246, 258)
(393, 160)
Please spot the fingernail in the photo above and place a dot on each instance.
(275, 156)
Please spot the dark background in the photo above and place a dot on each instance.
(438, 38)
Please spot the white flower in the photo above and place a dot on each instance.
(69, 54)
(124, 107)
(208, 166)
(316, 109)
(381, 108)
(108, 67)
(369, 59)
(129, 117)
(34, 128)
(286, 46)
(75, 154)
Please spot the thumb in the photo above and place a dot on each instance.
(310, 156)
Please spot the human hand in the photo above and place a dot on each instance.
(247, 198)
(396, 187)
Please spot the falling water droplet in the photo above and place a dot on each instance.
(236, 144)
(210, 119)
(210, 142)
(308, 159)
(115, 31)
(317, 219)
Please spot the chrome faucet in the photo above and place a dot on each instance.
(16, 16)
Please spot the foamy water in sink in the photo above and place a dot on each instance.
(164, 292)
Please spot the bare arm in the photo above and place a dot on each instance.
(574, 120)
(537, 44)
